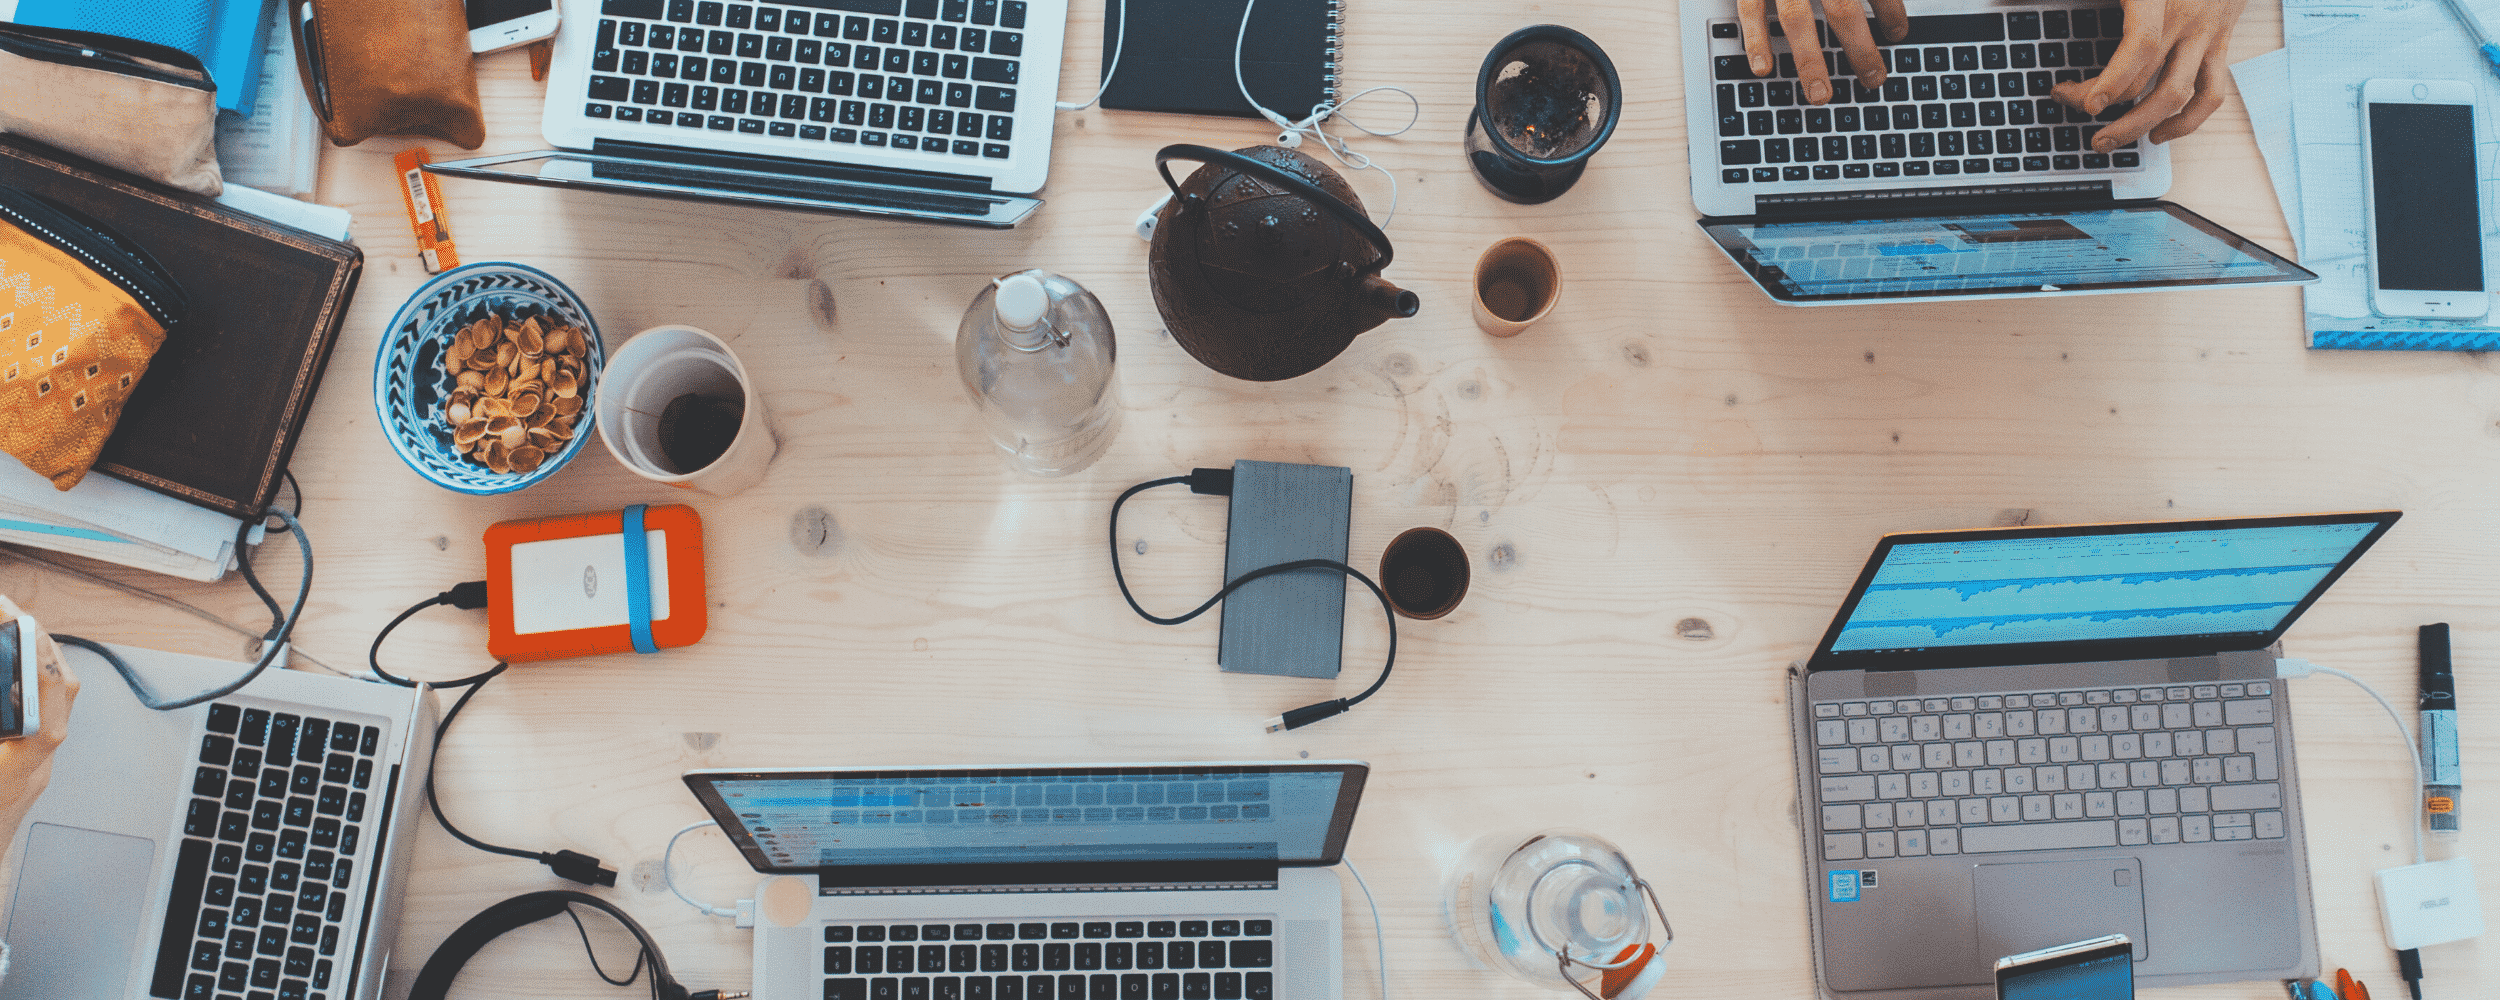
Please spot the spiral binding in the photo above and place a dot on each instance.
(1336, 48)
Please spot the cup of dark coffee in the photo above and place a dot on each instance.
(677, 407)
(1424, 572)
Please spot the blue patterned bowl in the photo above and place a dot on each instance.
(410, 389)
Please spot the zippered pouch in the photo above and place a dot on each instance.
(134, 106)
(82, 311)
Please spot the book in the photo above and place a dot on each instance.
(1179, 56)
(227, 35)
(224, 400)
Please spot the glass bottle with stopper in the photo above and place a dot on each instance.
(1036, 352)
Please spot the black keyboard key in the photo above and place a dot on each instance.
(1258, 986)
(1184, 954)
(1862, 147)
(986, 98)
(1923, 88)
(1938, 59)
(291, 844)
(304, 780)
(1257, 928)
(1760, 123)
(2126, 160)
(1826, 172)
(1006, 43)
(724, 71)
(673, 95)
(1965, 115)
(1835, 147)
(1965, 58)
(1196, 986)
(837, 961)
(234, 977)
(2025, 57)
(267, 814)
(325, 833)
(1952, 88)
(985, 11)
(1791, 120)
(217, 750)
(191, 883)
(1949, 143)
(741, 15)
(1818, 119)
(282, 735)
(1894, 146)
(1165, 986)
(855, 28)
(2023, 25)
(1992, 57)
(2087, 23)
(846, 989)
(752, 74)
(1897, 89)
(932, 958)
(1011, 14)
(707, 12)
(2081, 54)
(1193, 928)
(1781, 93)
(223, 718)
(330, 940)
(333, 800)
(2053, 24)
(1740, 152)
(750, 46)
(2053, 56)
(1056, 957)
(1853, 171)
(956, 10)
(1150, 953)
(1001, 71)
(1731, 68)
(1228, 986)
(1992, 113)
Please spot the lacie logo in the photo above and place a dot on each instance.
(2429, 903)
(590, 582)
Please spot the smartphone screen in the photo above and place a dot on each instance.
(14, 682)
(2428, 219)
(486, 12)
(2104, 973)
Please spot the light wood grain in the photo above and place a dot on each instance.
(1666, 488)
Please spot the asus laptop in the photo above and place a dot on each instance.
(938, 110)
(253, 846)
(1045, 883)
(1957, 178)
(2016, 738)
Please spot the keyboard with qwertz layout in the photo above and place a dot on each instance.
(1965, 94)
(934, 76)
(267, 863)
(2091, 767)
(1194, 958)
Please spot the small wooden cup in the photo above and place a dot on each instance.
(1518, 280)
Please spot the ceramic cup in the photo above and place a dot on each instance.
(1425, 573)
(695, 373)
(1518, 280)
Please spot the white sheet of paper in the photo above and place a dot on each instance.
(563, 584)
(2265, 85)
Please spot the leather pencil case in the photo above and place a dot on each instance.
(135, 106)
(388, 67)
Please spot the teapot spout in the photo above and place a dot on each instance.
(1385, 301)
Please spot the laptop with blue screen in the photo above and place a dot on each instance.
(1046, 882)
(2015, 738)
(1958, 176)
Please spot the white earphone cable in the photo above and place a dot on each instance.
(1119, 43)
(1336, 145)
(1380, 941)
(669, 875)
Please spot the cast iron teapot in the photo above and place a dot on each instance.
(1264, 264)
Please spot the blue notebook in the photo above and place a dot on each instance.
(226, 35)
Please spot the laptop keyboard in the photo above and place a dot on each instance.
(269, 849)
(1967, 94)
(1199, 958)
(2092, 767)
(935, 76)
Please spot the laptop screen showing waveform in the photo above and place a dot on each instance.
(1040, 816)
(2089, 588)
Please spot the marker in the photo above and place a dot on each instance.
(2443, 776)
(2474, 30)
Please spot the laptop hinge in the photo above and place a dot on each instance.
(930, 180)
(1935, 200)
(1083, 876)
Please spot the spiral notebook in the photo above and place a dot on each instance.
(1179, 55)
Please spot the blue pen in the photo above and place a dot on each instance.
(2474, 27)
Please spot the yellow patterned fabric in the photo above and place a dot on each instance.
(72, 348)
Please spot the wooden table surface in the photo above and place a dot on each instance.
(1665, 488)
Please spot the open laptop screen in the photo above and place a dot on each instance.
(2091, 592)
(1288, 814)
(2107, 248)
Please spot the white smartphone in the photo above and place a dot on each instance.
(2099, 969)
(2424, 214)
(496, 25)
(21, 699)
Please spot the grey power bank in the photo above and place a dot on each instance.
(1290, 624)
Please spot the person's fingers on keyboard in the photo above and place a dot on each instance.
(2211, 84)
(1757, 33)
(1814, 80)
(2140, 55)
(1849, 28)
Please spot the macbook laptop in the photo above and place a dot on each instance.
(251, 847)
(1094, 882)
(2015, 738)
(938, 110)
(1956, 178)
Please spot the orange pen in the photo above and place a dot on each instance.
(2349, 988)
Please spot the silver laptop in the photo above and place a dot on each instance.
(251, 847)
(939, 110)
(2016, 738)
(1957, 178)
(1135, 882)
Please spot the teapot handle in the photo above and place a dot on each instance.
(1270, 173)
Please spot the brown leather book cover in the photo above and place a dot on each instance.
(224, 400)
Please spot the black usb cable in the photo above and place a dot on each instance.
(1219, 482)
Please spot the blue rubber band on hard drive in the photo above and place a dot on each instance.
(638, 579)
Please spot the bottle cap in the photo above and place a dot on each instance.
(1021, 302)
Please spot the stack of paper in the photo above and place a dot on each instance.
(278, 147)
(2312, 104)
(105, 518)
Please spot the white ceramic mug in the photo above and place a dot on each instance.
(656, 367)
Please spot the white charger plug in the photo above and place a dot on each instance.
(2431, 903)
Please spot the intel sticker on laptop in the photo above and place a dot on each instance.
(1844, 887)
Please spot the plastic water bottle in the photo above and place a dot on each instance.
(1036, 353)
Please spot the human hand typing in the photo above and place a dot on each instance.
(1848, 18)
(2182, 47)
(26, 763)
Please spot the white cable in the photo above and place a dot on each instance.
(2287, 667)
(1119, 42)
(1336, 145)
(669, 875)
(1380, 944)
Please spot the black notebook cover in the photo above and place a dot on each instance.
(1179, 56)
(219, 411)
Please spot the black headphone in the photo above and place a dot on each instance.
(434, 980)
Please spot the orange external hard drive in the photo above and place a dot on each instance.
(572, 586)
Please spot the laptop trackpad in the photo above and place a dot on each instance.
(81, 896)
(2024, 907)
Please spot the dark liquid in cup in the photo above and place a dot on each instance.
(696, 430)
(1424, 572)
